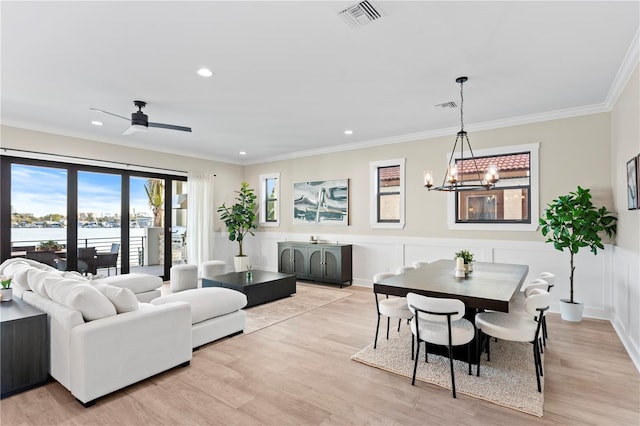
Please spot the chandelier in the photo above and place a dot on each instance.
(463, 173)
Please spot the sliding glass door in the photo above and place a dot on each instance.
(39, 213)
(127, 217)
(99, 222)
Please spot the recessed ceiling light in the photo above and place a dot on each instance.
(348, 132)
(243, 153)
(205, 72)
(96, 123)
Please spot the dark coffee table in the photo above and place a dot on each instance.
(263, 287)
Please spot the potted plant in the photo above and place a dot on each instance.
(6, 292)
(467, 257)
(240, 220)
(572, 222)
(49, 245)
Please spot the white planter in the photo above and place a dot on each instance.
(571, 311)
(240, 263)
(6, 293)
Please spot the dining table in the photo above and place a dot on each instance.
(490, 286)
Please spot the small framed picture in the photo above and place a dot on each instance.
(632, 183)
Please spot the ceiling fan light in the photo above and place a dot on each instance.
(139, 128)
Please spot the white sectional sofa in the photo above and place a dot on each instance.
(102, 339)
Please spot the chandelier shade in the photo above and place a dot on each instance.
(463, 171)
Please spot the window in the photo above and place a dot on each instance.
(269, 199)
(387, 193)
(512, 204)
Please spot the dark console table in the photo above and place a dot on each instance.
(24, 347)
(263, 286)
(330, 263)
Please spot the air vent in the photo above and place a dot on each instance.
(446, 105)
(360, 14)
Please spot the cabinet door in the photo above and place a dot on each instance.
(285, 264)
(332, 264)
(299, 264)
(316, 263)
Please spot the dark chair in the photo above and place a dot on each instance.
(88, 256)
(109, 260)
(46, 257)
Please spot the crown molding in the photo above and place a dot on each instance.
(631, 60)
(487, 125)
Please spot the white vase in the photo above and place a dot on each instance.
(6, 293)
(571, 311)
(240, 263)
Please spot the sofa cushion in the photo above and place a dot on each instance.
(36, 279)
(138, 283)
(80, 296)
(207, 303)
(123, 299)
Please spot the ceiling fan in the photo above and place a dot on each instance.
(140, 121)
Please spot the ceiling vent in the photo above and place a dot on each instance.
(446, 105)
(360, 14)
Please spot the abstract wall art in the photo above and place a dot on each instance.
(323, 202)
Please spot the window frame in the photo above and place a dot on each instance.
(534, 192)
(374, 206)
(262, 212)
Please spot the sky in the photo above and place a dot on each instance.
(43, 191)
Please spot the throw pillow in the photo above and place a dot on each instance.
(123, 299)
(80, 296)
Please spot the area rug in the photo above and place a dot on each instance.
(508, 380)
(306, 298)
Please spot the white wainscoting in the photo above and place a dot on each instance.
(625, 300)
(608, 283)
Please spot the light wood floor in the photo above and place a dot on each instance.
(299, 372)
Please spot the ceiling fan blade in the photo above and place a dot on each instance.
(170, 127)
(110, 113)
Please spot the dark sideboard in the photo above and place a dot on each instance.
(25, 347)
(330, 263)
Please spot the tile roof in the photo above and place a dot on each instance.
(504, 163)
(389, 173)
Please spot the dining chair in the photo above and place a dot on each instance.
(46, 257)
(394, 307)
(517, 304)
(440, 322)
(88, 256)
(419, 263)
(108, 260)
(515, 327)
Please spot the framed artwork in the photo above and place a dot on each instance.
(632, 183)
(323, 202)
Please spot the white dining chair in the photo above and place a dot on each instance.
(515, 327)
(390, 307)
(440, 322)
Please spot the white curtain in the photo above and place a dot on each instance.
(200, 215)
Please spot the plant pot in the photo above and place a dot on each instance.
(571, 311)
(240, 263)
(6, 294)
